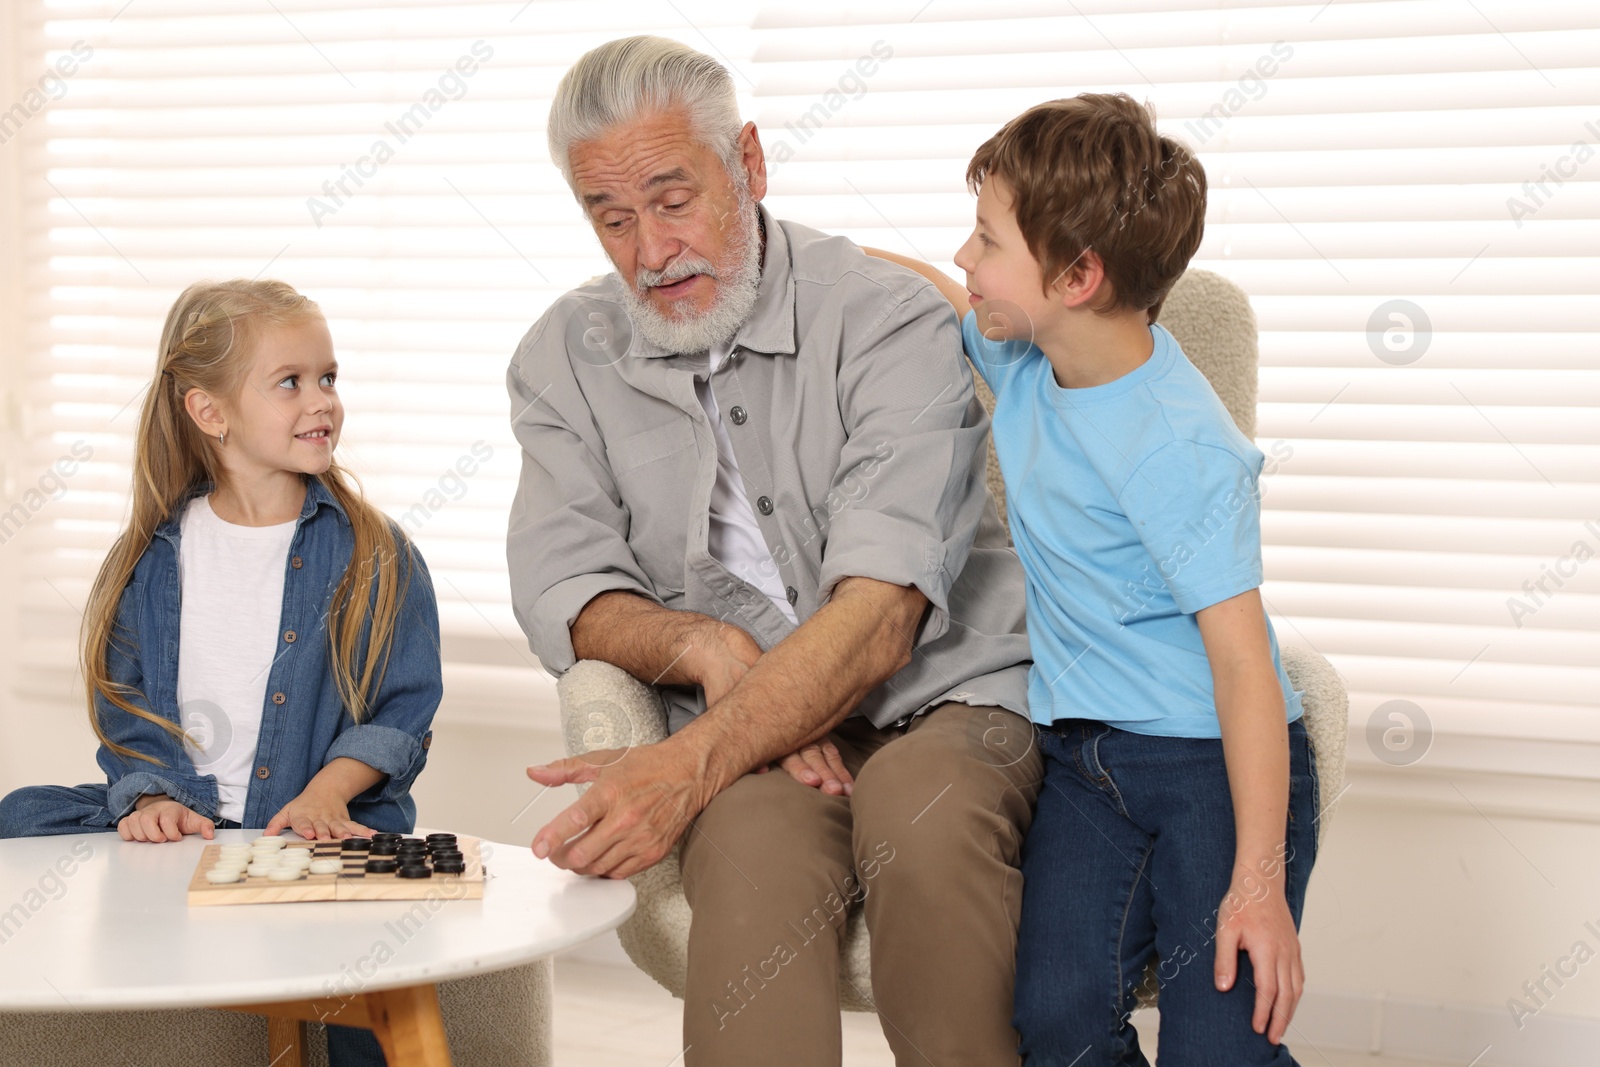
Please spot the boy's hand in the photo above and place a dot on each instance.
(317, 814)
(160, 818)
(1254, 918)
(819, 765)
(948, 287)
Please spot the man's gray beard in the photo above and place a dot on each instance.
(736, 293)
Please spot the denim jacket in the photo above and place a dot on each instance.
(304, 724)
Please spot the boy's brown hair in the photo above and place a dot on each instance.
(1093, 173)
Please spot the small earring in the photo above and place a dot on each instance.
(222, 437)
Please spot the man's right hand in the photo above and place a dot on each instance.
(663, 646)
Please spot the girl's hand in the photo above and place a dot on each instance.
(317, 815)
(1255, 919)
(160, 818)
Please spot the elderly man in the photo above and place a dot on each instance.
(752, 475)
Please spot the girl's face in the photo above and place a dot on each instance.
(288, 415)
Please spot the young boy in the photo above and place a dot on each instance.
(1180, 800)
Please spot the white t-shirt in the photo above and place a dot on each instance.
(231, 581)
(733, 538)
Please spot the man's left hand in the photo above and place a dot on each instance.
(818, 765)
(640, 801)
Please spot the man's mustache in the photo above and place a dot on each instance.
(646, 278)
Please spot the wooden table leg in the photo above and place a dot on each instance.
(286, 1043)
(409, 1026)
(405, 1021)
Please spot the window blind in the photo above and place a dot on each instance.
(1405, 188)
(386, 159)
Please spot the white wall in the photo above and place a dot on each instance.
(10, 368)
(1440, 891)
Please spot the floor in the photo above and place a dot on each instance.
(609, 1015)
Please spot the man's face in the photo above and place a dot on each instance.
(661, 201)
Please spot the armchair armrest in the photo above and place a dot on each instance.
(1327, 719)
(603, 706)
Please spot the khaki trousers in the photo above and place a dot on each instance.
(929, 843)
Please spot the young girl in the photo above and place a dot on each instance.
(261, 646)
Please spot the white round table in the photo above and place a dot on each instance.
(92, 922)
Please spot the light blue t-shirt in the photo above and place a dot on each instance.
(1133, 505)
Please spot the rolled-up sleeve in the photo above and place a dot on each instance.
(393, 737)
(909, 488)
(567, 539)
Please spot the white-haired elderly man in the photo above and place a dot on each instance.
(753, 476)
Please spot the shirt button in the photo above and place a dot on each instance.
(738, 415)
(263, 773)
(278, 698)
(764, 505)
(288, 636)
(794, 594)
(295, 563)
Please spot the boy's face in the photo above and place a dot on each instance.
(1004, 279)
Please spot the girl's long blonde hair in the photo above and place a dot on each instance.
(207, 343)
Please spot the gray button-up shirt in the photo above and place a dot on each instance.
(860, 434)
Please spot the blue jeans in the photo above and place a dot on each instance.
(51, 810)
(351, 1046)
(1129, 857)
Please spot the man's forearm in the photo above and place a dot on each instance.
(809, 682)
(656, 645)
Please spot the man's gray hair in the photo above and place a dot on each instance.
(623, 79)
